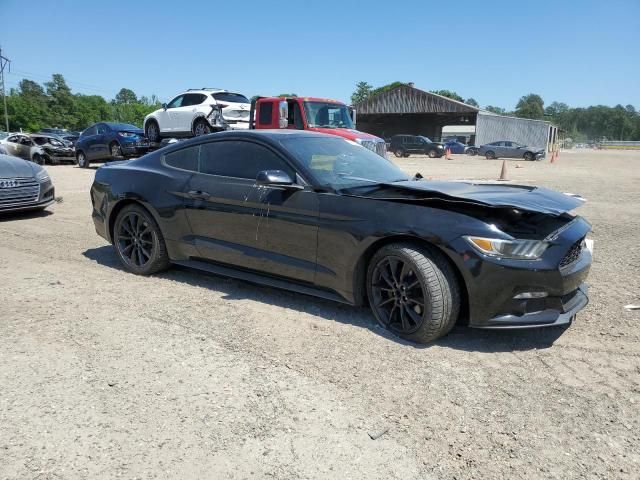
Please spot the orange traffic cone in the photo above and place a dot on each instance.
(553, 156)
(447, 154)
(503, 172)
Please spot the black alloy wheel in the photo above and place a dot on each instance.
(82, 160)
(116, 151)
(413, 292)
(201, 127)
(490, 155)
(399, 152)
(529, 156)
(153, 132)
(139, 242)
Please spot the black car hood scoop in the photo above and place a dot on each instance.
(536, 199)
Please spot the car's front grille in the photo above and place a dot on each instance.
(378, 147)
(18, 191)
(573, 254)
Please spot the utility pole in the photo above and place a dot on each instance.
(4, 61)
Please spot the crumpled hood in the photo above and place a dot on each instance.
(537, 199)
(11, 167)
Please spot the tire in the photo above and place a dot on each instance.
(116, 151)
(152, 131)
(472, 152)
(201, 127)
(39, 159)
(433, 153)
(139, 242)
(528, 156)
(83, 161)
(399, 152)
(490, 155)
(399, 275)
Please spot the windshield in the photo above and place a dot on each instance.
(122, 126)
(340, 163)
(327, 115)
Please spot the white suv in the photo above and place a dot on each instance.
(198, 112)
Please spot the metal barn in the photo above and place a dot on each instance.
(409, 110)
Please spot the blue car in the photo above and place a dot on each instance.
(110, 141)
(455, 147)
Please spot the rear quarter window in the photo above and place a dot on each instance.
(184, 159)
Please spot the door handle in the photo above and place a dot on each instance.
(198, 194)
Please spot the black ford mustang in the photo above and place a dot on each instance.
(323, 216)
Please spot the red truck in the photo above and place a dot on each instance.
(314, 114)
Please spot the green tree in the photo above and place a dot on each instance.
(530, 106)
(498, 110)
(125, 97)
(387, 87)
(472, 102)
(361, 93)
(448, 94)
(61, 102)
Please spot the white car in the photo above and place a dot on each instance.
(198, 112)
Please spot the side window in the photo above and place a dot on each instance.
(266, 113)
(185, 159)
(102, 128)
(507, 144)
(192, 99)
(239, 159)
(176, 102)
(90, 131)
(13, 139)
(40, 140)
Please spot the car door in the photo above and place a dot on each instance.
(236, 222)
(171, 115)
(25, 148)
(183, 116)
(100, 145)
(12, 145)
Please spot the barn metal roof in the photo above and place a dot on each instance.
(407, 99)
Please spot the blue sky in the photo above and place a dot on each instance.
(579, 52)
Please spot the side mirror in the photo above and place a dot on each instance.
(276, 178)
(164, 106)
(283, 115)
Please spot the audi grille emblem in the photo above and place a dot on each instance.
(8, 183)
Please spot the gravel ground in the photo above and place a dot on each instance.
(185, 375)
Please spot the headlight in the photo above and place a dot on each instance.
(516, 249)
(42, 176)
(128, 134)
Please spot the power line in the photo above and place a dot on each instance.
(73, 84)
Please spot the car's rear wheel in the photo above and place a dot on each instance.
(399, 152)
(152, 131)
(432, 153)
(116, 151)
(529, 156)
(83, 162)
(490, 155)
(39, 159)
(201, 127)
(413, 292)
(472, 152)
(139, 241)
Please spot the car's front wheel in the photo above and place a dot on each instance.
(116, 151)
(139, 242)
(152, 131)
(39, 159)
(529, 156)
(413, 292)
(399, 152)
(201, 127)
(490, 155)
(83, 162)
(432, 153)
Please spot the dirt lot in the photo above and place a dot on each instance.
(185, 375)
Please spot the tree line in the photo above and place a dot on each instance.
(598, 122)
(32, 106)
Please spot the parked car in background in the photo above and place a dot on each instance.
(404, 145)
(56, 150)
(54, 131)
(23, 146)
(508, 149)
(198, 111)
(318, 214)
(110, 141)
(455, 147)
(23, 185)
(321, 115)
(71, 137)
